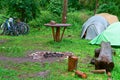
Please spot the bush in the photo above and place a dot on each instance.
(110, 7)
(87, 4)
(24, 9)
(44, 17)
(78, 18)
(55, 6)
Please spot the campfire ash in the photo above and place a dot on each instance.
(43, 55)
(55, 54)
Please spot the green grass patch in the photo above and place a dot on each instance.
(41, 39)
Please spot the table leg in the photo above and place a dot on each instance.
(57, 34)
(63, 33)
(53, 33)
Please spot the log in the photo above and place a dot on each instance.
(101, 71)
(104, 60)
(109, 79)
(96, 55)
(97, 52)
(109, 74)
(80, 74)
(72, 63)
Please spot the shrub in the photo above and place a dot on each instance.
(44, 17)
(24, 9)
(87, 4)
(77, 18)
(110, 7)
(55, 6)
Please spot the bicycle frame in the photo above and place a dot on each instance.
(12, 26)
(7, 24)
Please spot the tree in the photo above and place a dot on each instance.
(24, 9)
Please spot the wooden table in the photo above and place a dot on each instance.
(56, 33)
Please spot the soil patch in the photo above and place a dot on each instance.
(47, 56)
(17, 60)
(3, 41)
(38, 56)
(42, 74)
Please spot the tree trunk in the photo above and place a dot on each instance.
(64, 14)
(104, 60)
(96, 6)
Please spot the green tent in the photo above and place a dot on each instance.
(111, 34)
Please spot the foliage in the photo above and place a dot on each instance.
(73, 4)
(28, 9)
(87, 4)
(111, 7)
(41, 40)
(106, 7)
(3, 6)
(1, 18)
(44, 4)
(45, 17)
(3, 3)
(24, 9)
(55, 6)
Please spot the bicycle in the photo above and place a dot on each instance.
(22, 27)
(13, 26)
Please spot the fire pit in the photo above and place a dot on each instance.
(55, 54)
(48, 56)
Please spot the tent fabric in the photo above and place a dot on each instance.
(109, 17)
(111, 34)
(93, 27)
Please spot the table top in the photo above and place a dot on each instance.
(57, 25)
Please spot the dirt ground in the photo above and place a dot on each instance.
(34, 56)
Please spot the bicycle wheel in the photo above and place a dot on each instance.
(15, 31)
(4, 29)
(26, 28)
(23, 28)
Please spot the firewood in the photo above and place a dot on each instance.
(72, 63)
(80, 74)
(109, 74)
(109, 79)
(101, 71)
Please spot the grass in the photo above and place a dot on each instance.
(19, 46)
